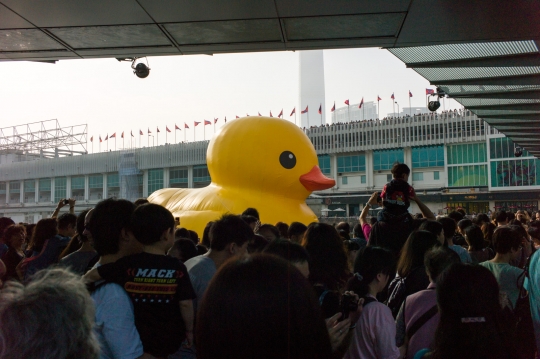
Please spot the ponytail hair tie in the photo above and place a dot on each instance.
(358, 276)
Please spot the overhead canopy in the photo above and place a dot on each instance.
(498, 81)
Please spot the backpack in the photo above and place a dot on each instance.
(397, 294)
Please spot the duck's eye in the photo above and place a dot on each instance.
(287, 159)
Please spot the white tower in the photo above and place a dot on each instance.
(311, 89)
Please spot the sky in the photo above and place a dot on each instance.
(109, 98)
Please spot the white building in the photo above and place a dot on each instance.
(311, 89)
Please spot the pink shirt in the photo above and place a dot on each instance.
(415, 306)
(366, 228)
(375, 334)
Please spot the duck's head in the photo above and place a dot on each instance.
(267, 155)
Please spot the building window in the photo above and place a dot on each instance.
(344, 180)
(29, 191)
(324, 164)
(428, 156)
(515, 173)
(155, 180)
(436, 175)
(418, 176)
(178, 176)
(45, 190)
(113, 180)
(77, 183)
(384, 160)
(466, 153)
(467, 176)
(389, 178)
(356, 163)
(60, 187)
(363, 179)
(14, 187)
(201, 174)
(3, 188)
(95, 181)
(503, 148)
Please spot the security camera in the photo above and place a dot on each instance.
(434, 105)
(140, 70)
(518, 152)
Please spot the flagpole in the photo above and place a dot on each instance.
(115, 143)
(378, 107)
(165, 134)
(409, 103)
(157, 138)
(185, 133)
(349, 112)
(394, 106)
(204, 132)
(175, 134)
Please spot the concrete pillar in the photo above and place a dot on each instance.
(68, 186)
(7, 192)
(166, 177)
(334, 169)
(190, 176)
(369, 169)
(21, 192)
(145, 184)
(36, 193)
(86, 189)
(105, 191)
(52, 189)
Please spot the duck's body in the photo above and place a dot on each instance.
(264, 163)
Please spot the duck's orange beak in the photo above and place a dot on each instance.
(314, 180)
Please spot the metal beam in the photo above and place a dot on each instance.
(508, 106)
(519, 80)
(519, 60)
(510, 94)
(521, 116)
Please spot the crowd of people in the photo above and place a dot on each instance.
(126, 280)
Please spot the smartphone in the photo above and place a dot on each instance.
(66, 201)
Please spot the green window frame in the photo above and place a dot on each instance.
(324, 164)
(467, 153)
(201, 174)
(45, 185)
(155, 180)
(351, 163)
(467, 176)
(178, 175)
(515, 173)
(113, 180)
(77, 182)
(60, 188)
(432, 156)
(95, 181)
(384, 160)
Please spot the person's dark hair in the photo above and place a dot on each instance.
(12, 230)
(229, 229)
(293, 252)
(45, 228)
(474, 237)
(257, 243)
(399, 169)
(296, 229)
(284, 319)
(412, 254)
(351, 245)
(79, 238)
(505, 239)
(369, 262)
(4, 223)
(501, 216)
(487, 230)
(437, 259)
(534, 229)
(181, 233)
(268, 229)
(205, 241)
(511, 216)
(464, 223)
(432, 226)
(456, 216)
(193, 236)
(449, 226)
(344, 226)
(328, 264)
(462, 211)
(357, 231)
(140, 201)
(373, 220)
(417, 222)
(251, 212)
(201, 249)
(108, 219)
(520, 230)
(149, 221)
(185, 248)
(467, 291)
(283, 229)
(482, 218)
(344, 235)
(249, 219)
(66, 219)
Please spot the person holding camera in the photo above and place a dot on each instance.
(61, 204)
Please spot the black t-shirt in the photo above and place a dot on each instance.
(156, 284)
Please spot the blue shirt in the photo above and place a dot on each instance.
(533, 286)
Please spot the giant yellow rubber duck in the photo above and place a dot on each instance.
(261, 162)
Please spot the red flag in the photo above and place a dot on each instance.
(306, 110)
(410, 93)
(333, 107)
(320, 109)
(259, 114)
(92, 139)
(378, 98)
(280, 114)
(149, 132)
(361, 103)
(140, 132)
(346, 102)
(167, 129)
(430, 92)
(195, 123)
(271, 113)
(100, 140)
(392, 97)
(293, 111)
(132, 134)
(158, 131)
(207, 122)
(185, 125)
(113, 135)
(176, 127)
(122, 134)
(236, 117)
(106, 137)
(215, 120)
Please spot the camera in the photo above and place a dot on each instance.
(518, 152)
(348, 304)
(66, 201)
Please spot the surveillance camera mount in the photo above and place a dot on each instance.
(140, 69)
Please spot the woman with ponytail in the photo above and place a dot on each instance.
(374, 335)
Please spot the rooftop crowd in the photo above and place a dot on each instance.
(126, 280)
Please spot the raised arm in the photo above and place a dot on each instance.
(426, 212)
(370, 203)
